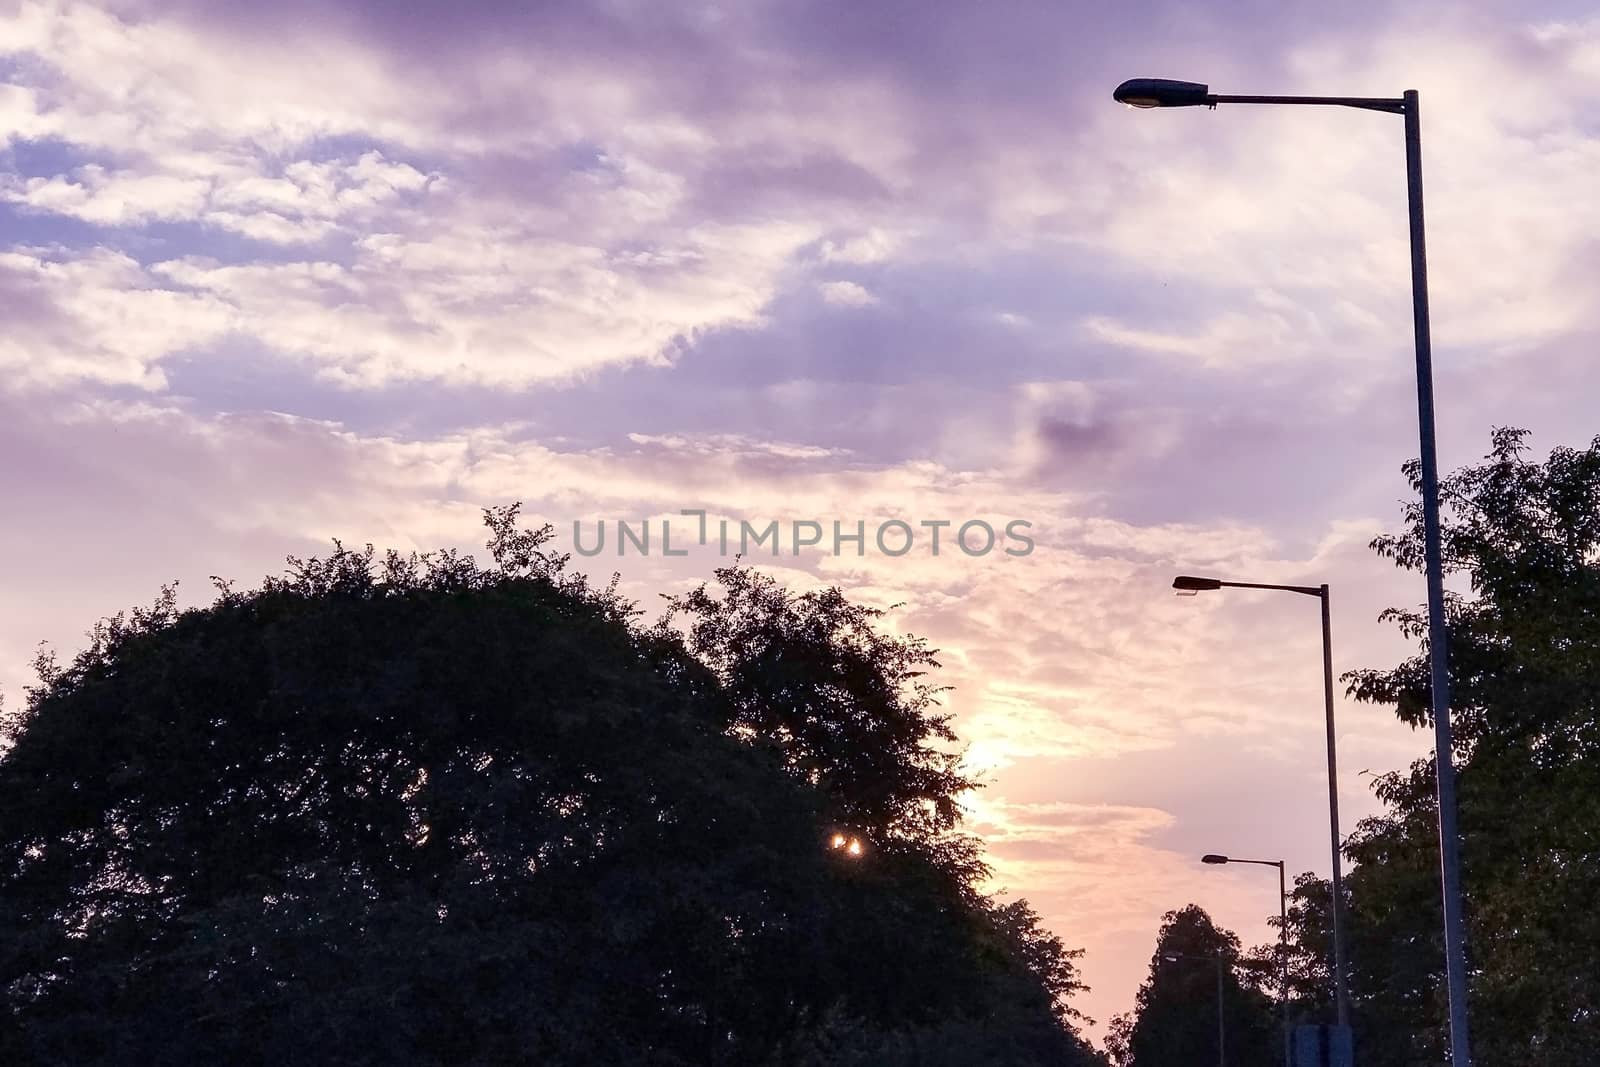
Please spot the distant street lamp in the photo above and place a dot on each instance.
(1283, 940)
(1157, 92)
(850, 846)
(1222, 1026)
(1187, 585)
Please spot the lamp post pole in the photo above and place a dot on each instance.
(1157, 92)
(1438, 631)
(1340, 970)
(1222, 1026)
(1283, 963)
(1187, 585)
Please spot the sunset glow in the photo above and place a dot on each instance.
(279, 273)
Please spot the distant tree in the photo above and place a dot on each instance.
(1174, 1021)
(408, 810)
(1119, 1039)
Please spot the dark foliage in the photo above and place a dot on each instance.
(1174, 1021)
(407, 810)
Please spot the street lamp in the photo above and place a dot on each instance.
(1161, 92)
(1164, 92)
(1283, 939)
(1222, 1026)
(1188, 585)
(1151, 92)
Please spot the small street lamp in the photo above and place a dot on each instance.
(1283, 940)
(1188, 585)
(1222, 1026)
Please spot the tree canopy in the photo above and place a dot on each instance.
(1525, 700)
(404, 809)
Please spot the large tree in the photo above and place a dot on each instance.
(409, 810)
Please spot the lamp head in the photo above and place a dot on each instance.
(1212, 857)
(1162, 92)
(1188, 585)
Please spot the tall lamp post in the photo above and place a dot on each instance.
(1222, 1026)
(1283, 940)
(1187, 585)
(1157, 92)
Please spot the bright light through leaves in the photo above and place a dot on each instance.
(850, 845)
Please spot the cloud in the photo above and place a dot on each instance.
(629, 154)
(112, 199)
(97, 317)
(846, 294)
(305, 202)
(872, 246)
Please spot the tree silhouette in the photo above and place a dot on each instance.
(410, 810)
(1174, 1021)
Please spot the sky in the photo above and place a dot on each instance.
(273, 274)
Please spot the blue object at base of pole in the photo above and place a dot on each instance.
(1322, 1045)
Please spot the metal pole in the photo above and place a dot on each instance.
(1438, 650)
(1341, 997)
(1222, 1031)
(1283, 963)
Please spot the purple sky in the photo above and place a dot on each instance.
(275, 273)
